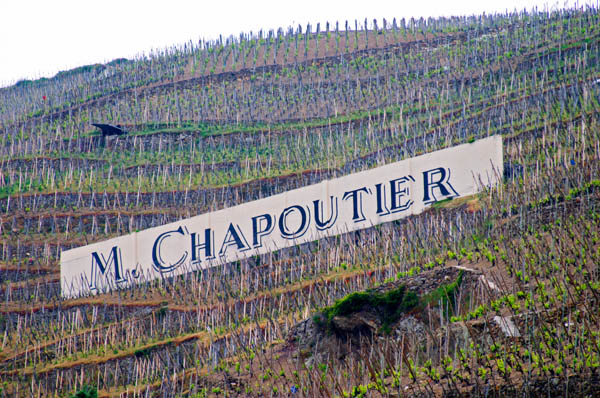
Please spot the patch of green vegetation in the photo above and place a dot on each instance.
(146, 351)
(440, 203)
(27, 82)
(445, 293)
(575, 192)
(390, 305)
(142, 352)
(86, 392)
(210, 129)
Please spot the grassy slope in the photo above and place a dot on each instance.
(528, 78)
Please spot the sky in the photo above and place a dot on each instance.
(38, 38)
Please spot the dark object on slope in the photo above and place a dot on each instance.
(109, 129)
(86, 392)
(512, 170)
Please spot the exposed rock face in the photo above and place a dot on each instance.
(304, 334)
(316, 338)
(507, 326)
(362, 320)
(410, 325)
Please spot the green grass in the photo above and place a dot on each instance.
(446, 294)
(389, 306)
(86, 392)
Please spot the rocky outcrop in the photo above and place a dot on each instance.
(332, 334)
(362, 320)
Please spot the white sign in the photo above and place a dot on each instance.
(331, 207)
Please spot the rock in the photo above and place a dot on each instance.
(356, 322)
(507, 326)
(309, 361)
(410, 324)
(315, 340)
(304, 334)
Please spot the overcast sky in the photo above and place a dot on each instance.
(41, 37)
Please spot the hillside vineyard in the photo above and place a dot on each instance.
(314, 212)
(491, 294)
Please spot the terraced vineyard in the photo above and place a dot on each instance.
(216, 124)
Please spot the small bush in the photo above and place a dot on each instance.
(86, 392)
(389, 306)
(142, 352)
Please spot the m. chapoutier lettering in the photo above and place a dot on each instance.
(331, 207)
